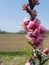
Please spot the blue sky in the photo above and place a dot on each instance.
(12, 15)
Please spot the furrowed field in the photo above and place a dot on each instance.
(12, 47)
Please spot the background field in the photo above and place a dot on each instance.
(12, 42)
(16, 42)
(12, 47)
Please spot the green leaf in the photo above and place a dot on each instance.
(28, 52)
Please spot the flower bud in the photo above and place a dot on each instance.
(25, 7)
(34, 13)
(35, 2)
(46, 51)
(35, 56)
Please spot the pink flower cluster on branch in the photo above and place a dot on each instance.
(36, 32)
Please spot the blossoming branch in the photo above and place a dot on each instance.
(36, 33)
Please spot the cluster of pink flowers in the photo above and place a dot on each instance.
(36, 32)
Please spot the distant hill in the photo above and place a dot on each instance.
(4, 32)
(22, 32)
(19, 32)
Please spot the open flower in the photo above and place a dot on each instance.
(33, 24)
(25, 23)
(38, 45)
(37, 33)
(46, 51)
(31, 36)
(36, 39)
(42, 30)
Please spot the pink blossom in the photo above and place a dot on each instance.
(46, 51)
(42, 30)
(25, 23)
(34, 38)
(33, 24)
(38, 45)
(27, 63)
(35, 56)
(36, 34)
(31, 36)
(37, 40)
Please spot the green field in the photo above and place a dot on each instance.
(11, 47)
(14, 58)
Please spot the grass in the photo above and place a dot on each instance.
(14, 58)
(12, 53)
